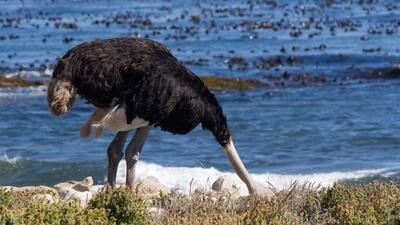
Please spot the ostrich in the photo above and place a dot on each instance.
(138, 84)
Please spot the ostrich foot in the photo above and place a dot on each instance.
(262, 192)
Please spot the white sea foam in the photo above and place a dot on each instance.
(12, 160)
(183, 177)
(23, 92)
(30, 73)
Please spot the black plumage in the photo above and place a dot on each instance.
(142, 76)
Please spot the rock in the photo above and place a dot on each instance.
(84, 185)
(386, 73)
(206, 193)
(213, 82)
(96, 188)
(69, 194)
(226, 187)
(232, 83)
(76, 190)
(18, 82)
(150, 187)
(49, 198)
(202, 190)
(64, 185)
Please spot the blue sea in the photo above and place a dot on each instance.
(329, 110)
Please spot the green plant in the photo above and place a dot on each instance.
(121, 206)
(5, 198)
(40, 212)
(363, 204)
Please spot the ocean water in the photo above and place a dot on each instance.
(340, 122)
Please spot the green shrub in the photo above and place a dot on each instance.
(363, 204)
(40, 212)
(97, 217)
(121, 207)
(5, 202)
(5, 198)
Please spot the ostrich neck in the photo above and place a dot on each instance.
(238, 165)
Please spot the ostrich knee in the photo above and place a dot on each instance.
(131, 158)
(115, 154)
(132, 154)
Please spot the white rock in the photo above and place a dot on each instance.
(96, 188)
(202, 190)
(69, 194)
(226, 187)
(150, 186)
(206, 193)
(84, 185)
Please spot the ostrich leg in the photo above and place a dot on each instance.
(132, 153)
(253, 187)
(115, 154)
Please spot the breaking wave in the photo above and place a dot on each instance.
(12, 160)
(30, 73)
(188, 179)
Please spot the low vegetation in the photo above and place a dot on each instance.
(377, 203)
(112, 207)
